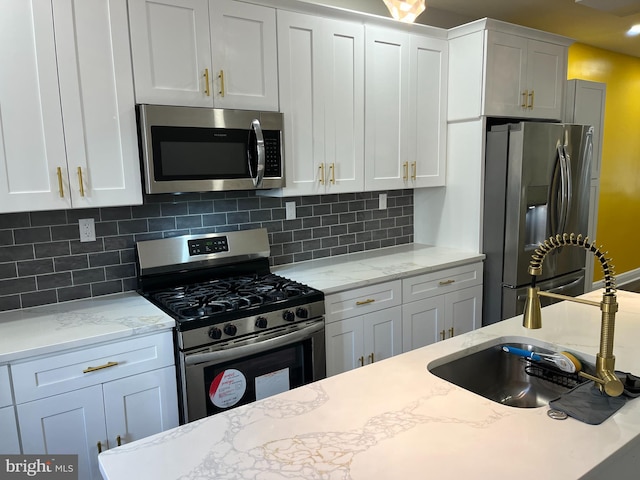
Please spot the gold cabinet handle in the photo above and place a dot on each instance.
(451, 332)
(441, 334)
(119, 440)
(530, 105)
(80, 181)
(361, 361)
(321, 176)
(405, 167)
(207, 91)
(446, 282)
(371, 360)
(524, 99)
(221, 77)
(106, 365)
(414, 170)
(99, 445)
(332, 174)
(365, 302)
(60, 186)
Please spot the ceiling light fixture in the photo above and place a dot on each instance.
(633, 31)
(405, 10)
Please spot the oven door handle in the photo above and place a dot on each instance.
(254, 347)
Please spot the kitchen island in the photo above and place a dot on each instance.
(394, 419)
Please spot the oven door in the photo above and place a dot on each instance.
(252, 369)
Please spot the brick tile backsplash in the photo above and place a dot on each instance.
(42, 260)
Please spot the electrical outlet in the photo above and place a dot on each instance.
(291, 210)
(87, 229)
(382, 201)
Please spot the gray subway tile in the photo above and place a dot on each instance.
(74, 215)
(120, 271)
(129, 284)
(32, 235)
(6, 237)
(65, 232)
(66, 294)
(133, 226)
(260, 215)
(115, 213)
(106, 288)
(14, 220)
(128, 256)
(105, 258)
(54, 280)
(174, 209)
(145, 210)
(53, 249)
(118, 243)
(188, 221)
(10, 302)
(54, 217)
(15, 253)
(34, 299)
(214, 219)
(106, 229)
(90, 275)
(161, 224)
(240, 217)
(87, 247)
(35, 267)
(71, 262)
(8, 270)
(17, 285)
(225, 205)
(200, 207)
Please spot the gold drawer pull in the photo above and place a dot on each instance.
(530, 105)
(441, 334)
(364, 302)
(524, 99)
(60, 187)
(119, 440)
(361, 361)
(405, 167)
(221, 77)
(93, 369)
(447, 282)
(80, 181)
(371, 358)
(451, 332)
(99, 445)
(207, 92)
(321, 177)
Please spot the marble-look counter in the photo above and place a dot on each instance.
(53, 328)
(393, 419)
(345, 272)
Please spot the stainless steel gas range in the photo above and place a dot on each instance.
(242, 333)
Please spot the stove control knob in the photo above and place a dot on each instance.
(261, 322)
(302, 312)
(230, 329)
(215, 333)
(288, 315)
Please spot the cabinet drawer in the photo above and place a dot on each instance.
(443, 281)
(362, 300)
(61, 373)
(5, 387)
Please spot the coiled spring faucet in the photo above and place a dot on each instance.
(605, 378)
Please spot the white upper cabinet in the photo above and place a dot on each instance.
(524, 77)
(207, 53)
(504, 70)
(321, 72)
(67, 118)
(406, 92)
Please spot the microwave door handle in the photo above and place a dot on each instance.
(257, 130)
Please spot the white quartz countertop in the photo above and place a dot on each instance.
(394, 419)
(61, 326)
(345, 272)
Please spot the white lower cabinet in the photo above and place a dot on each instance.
(9, 442)
(440, 305)
(362, 340)
(368, 324)
(88, 401)
(363, 325)
(427, 321)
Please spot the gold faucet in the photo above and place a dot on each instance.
(605, 378)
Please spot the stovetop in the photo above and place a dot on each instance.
(221, 300)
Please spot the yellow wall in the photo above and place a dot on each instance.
(619, 210)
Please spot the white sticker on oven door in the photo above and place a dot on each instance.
(227, 388)
(272, 383)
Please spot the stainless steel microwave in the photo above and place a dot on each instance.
(194, 149)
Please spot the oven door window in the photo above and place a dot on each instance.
(190, 153)
(245, 380)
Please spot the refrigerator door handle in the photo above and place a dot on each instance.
(563, 191)
(557, 193)
(568, 198)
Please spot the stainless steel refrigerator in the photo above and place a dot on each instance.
(536, 185)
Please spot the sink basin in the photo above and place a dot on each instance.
(501, 376)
